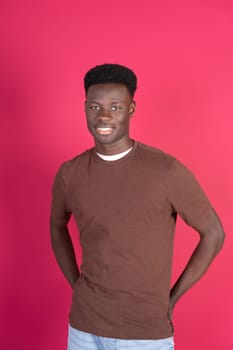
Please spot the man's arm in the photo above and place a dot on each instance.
(211, 241)
(190, 202)
(60, 237)
(64, 252)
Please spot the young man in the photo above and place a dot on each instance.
(125, 197)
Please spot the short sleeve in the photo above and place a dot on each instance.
(59, 215)
(187, 198)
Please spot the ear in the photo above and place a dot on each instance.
(132, 108)
(85, 104)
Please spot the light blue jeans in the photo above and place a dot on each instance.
(79, 340)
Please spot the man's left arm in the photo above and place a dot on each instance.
(211, 241)
(190, 202)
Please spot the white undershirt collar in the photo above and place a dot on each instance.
(114, 156)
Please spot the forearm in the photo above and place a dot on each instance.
(199, 262)
(64, 253)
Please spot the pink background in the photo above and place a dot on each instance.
(182, 52)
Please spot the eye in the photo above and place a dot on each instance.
(116, 108)
(94, 108)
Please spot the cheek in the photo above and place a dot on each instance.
(89, 118)
(126, 119)
(89, 124)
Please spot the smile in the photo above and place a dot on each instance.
(104, 130)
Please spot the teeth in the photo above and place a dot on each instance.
(104, 131)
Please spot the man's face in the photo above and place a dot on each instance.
(109, 108)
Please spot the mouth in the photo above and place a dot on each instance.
(104, 130)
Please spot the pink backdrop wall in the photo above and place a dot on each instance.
(182, 53)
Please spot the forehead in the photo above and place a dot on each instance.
(108, 91)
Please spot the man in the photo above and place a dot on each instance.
(125, 197)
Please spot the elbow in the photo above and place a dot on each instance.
(58, 229)
(220, 240)
(57, 224)
(214, 240)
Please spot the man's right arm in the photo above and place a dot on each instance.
(64, 252)
(61, 241)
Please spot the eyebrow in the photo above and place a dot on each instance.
(99, 103)
(113, 101)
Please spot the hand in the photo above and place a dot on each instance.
(170, 311)
(170, 314)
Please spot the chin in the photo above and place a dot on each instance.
(104, 141)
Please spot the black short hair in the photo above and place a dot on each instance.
(111, 73)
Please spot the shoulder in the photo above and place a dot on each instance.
(167, 164)
(155, 156)
(70, 167)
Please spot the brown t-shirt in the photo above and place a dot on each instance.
(126, 213)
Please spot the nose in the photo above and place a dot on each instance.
(104, 114)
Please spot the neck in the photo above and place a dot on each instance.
(111, 149)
